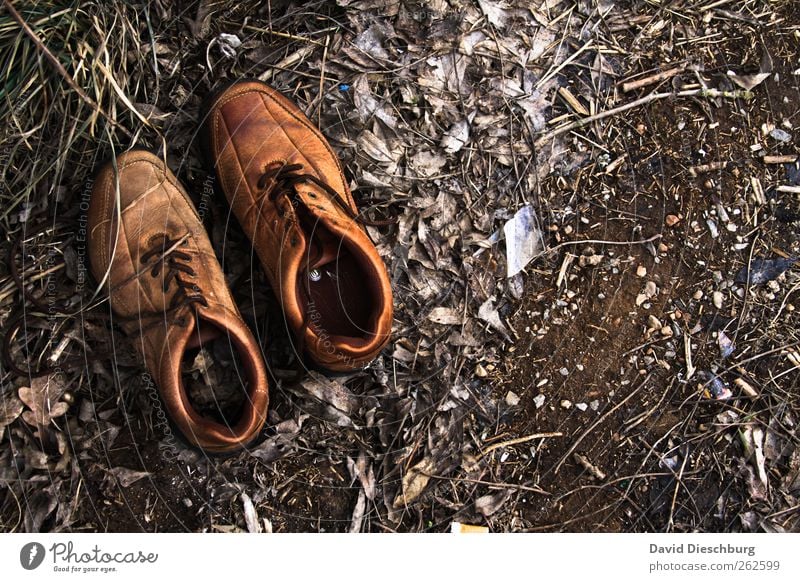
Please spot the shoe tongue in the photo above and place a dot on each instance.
(203, 332)
(323, 248)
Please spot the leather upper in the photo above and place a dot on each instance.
(154, 212)
(250, 128)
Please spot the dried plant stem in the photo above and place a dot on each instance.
(708, 93)
(539, 435)
(56, 64)
(593, 241)
(656, 78)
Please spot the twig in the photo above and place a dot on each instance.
(493, 484)
(282, 34)
(572, 101)
(322, 79)
(788, 189)
(705, 168)
(785, 159)
(593, 469)
(658, 77)
(710, 93)
(518, 441)
(678, 484)
(602, 242)
(56, 64)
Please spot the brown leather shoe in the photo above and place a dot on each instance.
(167, 289)
(287, 189)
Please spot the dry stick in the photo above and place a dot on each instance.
(322, 80)
(678, 485)
(59, 67)
(597, 423)
(593, 241)
(520, 440)
(712, 93)
(785, 159)
(660, 76)
(492, 484)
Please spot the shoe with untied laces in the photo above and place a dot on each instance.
(166, 289)
(287, 189)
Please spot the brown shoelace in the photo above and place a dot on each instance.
(176, 261)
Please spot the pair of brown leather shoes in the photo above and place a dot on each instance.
(166, 287)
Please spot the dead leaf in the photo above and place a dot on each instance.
(446, 316)
(250, 515)
(488, 313)
(792, 479)
(127, 477)
(362, 470)
(750, 82)
(374, 147)
(358, 513)
(330, 391)
(10, 409)
(523, 240)
(490, 504)
(414, 482)
(753, 441)
(495, 12)
(456, 137)
(37, 508)
(427, 164)
(42, 398)
(273, 448)
(367, 105)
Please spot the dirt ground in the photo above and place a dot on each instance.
(637, 376)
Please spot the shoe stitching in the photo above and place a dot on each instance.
(304, 121)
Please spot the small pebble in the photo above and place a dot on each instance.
(697, 295)
(780, 135)
(512, 399)
(566, 404)
(672, 220)
(538, 401)
(594, 405)
(590, 260)
(582, 406)
(641, 271)
(480, 371)
(653, 322)
(716, 299)
(564, 372)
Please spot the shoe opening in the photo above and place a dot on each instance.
(214, 379)
(339, 290)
